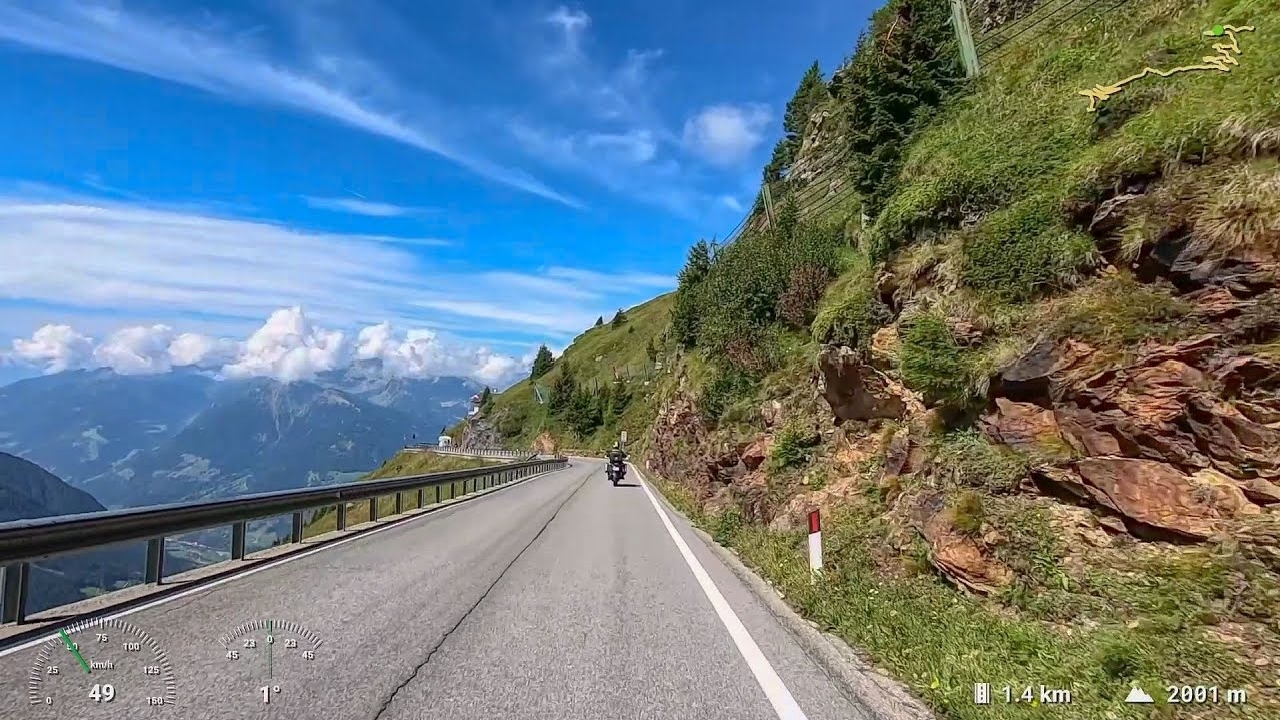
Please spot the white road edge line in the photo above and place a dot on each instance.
(246, 573)
(784, 705)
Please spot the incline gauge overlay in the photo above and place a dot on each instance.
(268, 649)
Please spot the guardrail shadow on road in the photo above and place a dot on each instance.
(25, 541)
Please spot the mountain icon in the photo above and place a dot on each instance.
(1138, 695)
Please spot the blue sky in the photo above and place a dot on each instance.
(480, 176)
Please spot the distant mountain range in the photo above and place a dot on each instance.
(28, 491)
(133, 440)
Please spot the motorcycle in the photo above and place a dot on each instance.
(616, 470)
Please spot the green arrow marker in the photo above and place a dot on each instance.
(72, 647)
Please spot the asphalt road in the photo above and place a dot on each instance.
(560, 598)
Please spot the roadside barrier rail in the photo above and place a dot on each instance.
(486, 453)
(25, 541)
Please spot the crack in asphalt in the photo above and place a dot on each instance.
(386, 704)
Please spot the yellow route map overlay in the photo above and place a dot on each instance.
(1223, 60)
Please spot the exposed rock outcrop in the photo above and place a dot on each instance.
(545, 444)
(857, 391)
(1159, 441)
(956, 555)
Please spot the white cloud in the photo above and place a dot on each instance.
(202, 351)
(421, 353)
(732, 203)
(726, 134)
(634, 146)
(287, 347)
(356, 206)
(626, 163)
(572, 24)
(631, 281)
(228, 64)
(137, 350)
(57, 347)
(148, 266)
(609, 126)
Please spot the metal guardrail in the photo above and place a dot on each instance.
(486, 453)
(24, 541)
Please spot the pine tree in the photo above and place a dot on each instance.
(563, 391)
(696, 266)
(779, 163)
(600, 321)
(811, 93)
(901, 72)
(685, 312)
(542, 363)
(618, 319)
(486, 398)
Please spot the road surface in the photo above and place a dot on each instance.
(559, 598)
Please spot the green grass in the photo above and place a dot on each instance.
(1023, 139)
(1148, 628)
(520, 418)
(402, 465)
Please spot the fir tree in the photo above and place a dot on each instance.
(901, 72)
(809, 96)
(563, 391)
(684, 314)
(542, 363)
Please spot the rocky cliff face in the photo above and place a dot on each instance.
(1133, 451)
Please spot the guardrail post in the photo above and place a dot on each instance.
(399, 503)
(13, 592)
(422, 498)
(373, 509)
(437, 494)
(296, 535)
(155, 561)
(238, 532)
(342, 516)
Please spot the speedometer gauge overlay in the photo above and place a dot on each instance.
(101, 668)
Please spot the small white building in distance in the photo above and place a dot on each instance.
(445, 441)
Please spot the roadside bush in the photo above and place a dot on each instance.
(851, 311)
(966, 458)
(790, 448)
(1024, 251)
(726, 387)
(933, 363)
(739, 300)
(799, 301)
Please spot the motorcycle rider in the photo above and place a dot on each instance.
(617, 457)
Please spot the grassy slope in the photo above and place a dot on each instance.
(1096, 631)
(403, 464)
(516, 409)
(1099, 630)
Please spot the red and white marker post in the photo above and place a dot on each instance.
(815, 544)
